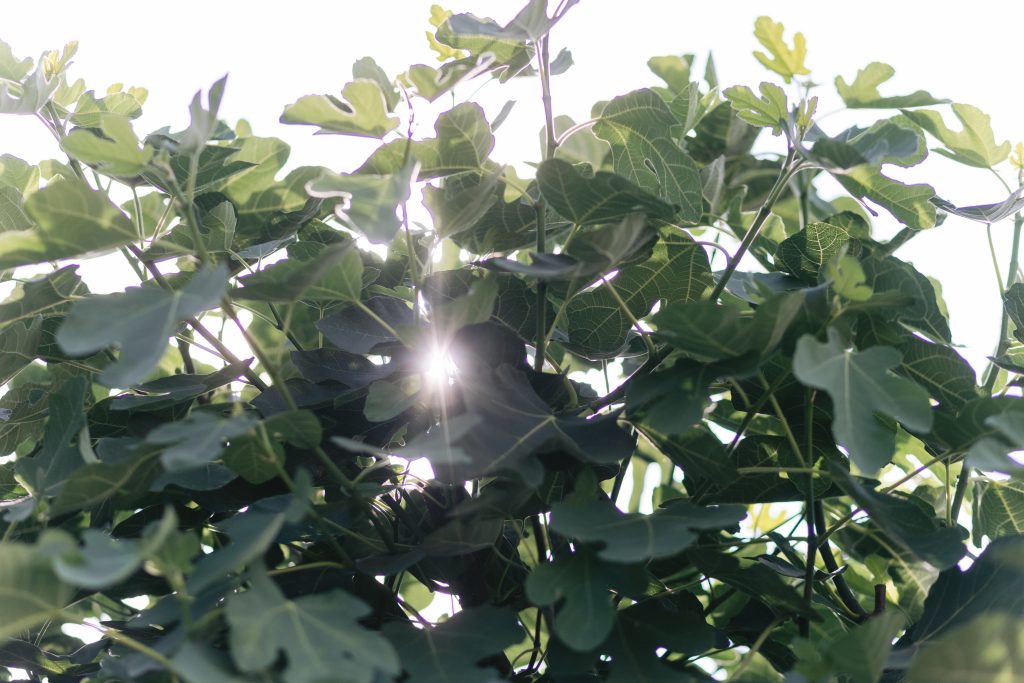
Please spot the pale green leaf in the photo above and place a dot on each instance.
(863, 92)
(138, 321)
(362, 113)
(318, 634)
(72, 221)
(860, 385)
(782, 59)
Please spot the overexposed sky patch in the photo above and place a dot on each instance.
(276, 53)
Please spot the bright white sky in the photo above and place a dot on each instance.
(967, 53)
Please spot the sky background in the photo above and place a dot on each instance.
(276, 55)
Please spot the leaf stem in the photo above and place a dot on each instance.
(789, 168)
(543, 66)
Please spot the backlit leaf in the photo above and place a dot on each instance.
(362, 113)
(71, 220)
(863, 92)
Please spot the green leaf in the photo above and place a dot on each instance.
(987, 648)
(581, 581)
(673, 69)
(47, 469)
(1013, 304)
(973, 145)
(593, 252)
(464, 139)
(368, 202)
(804, 253)
(863, 92)
(123, 482)
(847, 278)
(993, 584)
(318, 635)
(453, 649)
(462, 202)
(387, 399)
(637, 127)
(909, 204)
(18, 343)
(998, 509)
(36, 90)
(72, 221)
(599, 198)
(117, 153)
(676, 271)
(904, 521)
(89, 110)
(631, 538)
(250, 459)
(197, 439)
(991, 452)
(363, 112)
(707, 331)
(139, 322)
(47, 295)
(506, 425)
(19, 174)
(12, 210)
(12, 68)
(30, 593)
(860, 385)
(782, 59)
(940, 369)
(203, 121)
(354, 330)
(171, 390)
(368, 69)
(473, 307)
(891, 275)
(756, 580)
(334, 274)
(861, 653)
(771, 110)
(101, 562)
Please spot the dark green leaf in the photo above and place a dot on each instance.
(452, 650)
(636, 537)
(581, 581)
(904, 522)
(197, 439)
(505, 426)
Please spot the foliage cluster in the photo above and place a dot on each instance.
(257, 518)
